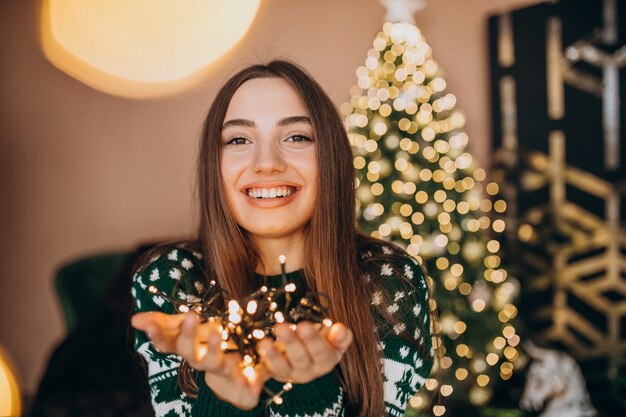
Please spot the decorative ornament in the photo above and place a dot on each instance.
(555, 385)
(402, 10)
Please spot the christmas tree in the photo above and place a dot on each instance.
(418, 186)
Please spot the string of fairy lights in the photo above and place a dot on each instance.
(245, 322)
(418, 186)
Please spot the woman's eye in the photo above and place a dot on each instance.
(236, 141)
(299, 138)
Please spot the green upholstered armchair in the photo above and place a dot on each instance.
(83, 285)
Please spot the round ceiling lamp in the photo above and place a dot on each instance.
(141, 48)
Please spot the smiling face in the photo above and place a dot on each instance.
(268, 159)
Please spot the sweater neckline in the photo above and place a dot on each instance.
(296, 277)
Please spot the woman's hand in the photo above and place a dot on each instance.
(200, 345)
(304, 354)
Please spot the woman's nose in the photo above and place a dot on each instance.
(268, 158)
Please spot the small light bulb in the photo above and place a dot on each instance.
(290, 287)
(251, 307)
(278, 316)
(248, 371)
(233, 306)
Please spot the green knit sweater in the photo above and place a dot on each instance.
(405, 368)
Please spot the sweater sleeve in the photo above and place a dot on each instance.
(175, 273)
(164, 272)
(406, 341)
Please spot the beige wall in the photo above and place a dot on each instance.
(83, 172)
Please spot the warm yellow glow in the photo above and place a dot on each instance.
(278, 316)
(141, 48)
(492, 359)
(251, 307)
(248, 371)
(439, 410)
(482, 380)
(11, 404)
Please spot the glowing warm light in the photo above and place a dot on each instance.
(279, 317)
(251, 307)
(461, 374)
(11, 404)
(499, 342)
(290, 287)
(482, 380)
(248, 371)
(416, 401)
(431, 384)
(492, 359)
(439, 410)
(142, 48)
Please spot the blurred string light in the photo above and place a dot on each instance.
(419, 187)
(141, 48)
(246, 321)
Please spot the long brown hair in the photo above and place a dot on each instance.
(332, 242)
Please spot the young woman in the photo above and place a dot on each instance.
(276, 178)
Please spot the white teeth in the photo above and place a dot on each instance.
(276, 192)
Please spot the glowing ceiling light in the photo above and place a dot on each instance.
(141, 48)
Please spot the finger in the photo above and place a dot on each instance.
(141, 321)
(213, 359)
(275, 362)
(187, 343)
(161, 328)
(324, 355)
(295, 350)
(340, 337)
(256, 383)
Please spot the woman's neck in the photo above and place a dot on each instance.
(270, 249)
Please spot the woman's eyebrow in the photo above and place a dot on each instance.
(293, 120)
(238, 122)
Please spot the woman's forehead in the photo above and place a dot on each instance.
(260, 97)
